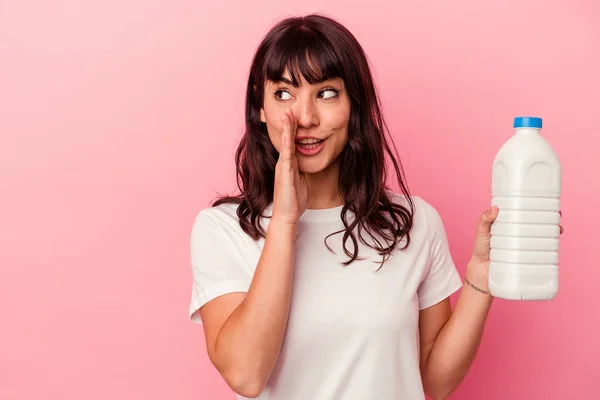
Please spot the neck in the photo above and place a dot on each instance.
(527, 131)
(323, 189)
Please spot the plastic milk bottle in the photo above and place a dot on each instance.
(526, 187)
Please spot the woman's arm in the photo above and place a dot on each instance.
(244, 332)
(450, 339)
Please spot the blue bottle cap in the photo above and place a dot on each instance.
(527, 122)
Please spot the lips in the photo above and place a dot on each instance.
(309, 146)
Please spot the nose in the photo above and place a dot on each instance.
(306, 113)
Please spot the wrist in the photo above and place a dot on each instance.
(484, 292)
(477, 275)
(282, 226)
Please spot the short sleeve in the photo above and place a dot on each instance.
(441, 278)
(216, 266)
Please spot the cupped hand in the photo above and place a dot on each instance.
(290, 194)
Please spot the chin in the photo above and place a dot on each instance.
(311, 166)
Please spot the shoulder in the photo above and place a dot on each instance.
(427, 212)
(426, 217)
(216, 220)
(423, 209)
(226, 212)
(222, 222)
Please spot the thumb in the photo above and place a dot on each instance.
(487, 218)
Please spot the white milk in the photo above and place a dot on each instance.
(526, 187)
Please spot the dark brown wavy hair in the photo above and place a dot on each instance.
(320, 48)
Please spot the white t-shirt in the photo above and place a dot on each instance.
(352, 331)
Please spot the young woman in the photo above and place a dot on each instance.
(318, 282)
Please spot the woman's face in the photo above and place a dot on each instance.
(322, 111)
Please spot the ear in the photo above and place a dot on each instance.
(262, 116)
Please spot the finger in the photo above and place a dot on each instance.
(292, 136)
(294, 128)
(561, 228)
(486, 220)
(489, 215)
(286, 151)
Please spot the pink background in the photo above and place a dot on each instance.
(119, 120)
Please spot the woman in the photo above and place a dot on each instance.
(317, 281)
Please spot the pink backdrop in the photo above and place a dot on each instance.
(119, 121)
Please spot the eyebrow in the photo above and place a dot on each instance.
(289, 82)
(285, 80)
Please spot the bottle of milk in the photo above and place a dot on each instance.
(526, 187)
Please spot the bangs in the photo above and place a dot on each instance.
(303, 53)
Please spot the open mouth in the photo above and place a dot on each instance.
(309, 143)
(309, 146)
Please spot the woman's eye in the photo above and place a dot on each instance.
(329, 93)
(283, 95)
